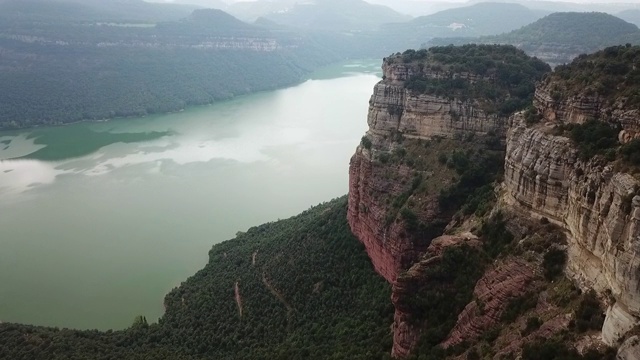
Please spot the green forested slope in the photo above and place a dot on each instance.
(507, 75)
(559, 37)
(55, 69)
(311, 294)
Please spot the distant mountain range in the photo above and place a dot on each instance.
(91, 10)
(560, 37)
(335, 15)
(632, 16)
(476, 20)
(61, 62)
(68, 60)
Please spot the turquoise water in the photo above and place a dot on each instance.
(99, 220)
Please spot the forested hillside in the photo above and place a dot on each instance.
(631, 15)
(301, 288)
(475, 20)
(560, 37)
(58, 68)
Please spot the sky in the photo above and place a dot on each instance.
(463, 1)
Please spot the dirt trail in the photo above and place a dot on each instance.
(236, 289)
(275, 293)
(253, 258)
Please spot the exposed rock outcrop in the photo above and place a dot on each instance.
(502, 283)
(596, 205)
(452, 109)
(396, 111)
(406, 328)
(630, 349)
(554, 105)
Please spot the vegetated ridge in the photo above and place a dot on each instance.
(59, 69)
(559, 37)
(474, 20)
(329, 303)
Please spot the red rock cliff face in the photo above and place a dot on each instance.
(395, 111)
(406, 331)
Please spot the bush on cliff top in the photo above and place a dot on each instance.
(610, 74)
(507, 76)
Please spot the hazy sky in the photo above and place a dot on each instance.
(463, 1)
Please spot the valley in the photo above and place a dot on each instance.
(157, 192)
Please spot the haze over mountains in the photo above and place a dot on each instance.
(149, 57)
(560, 37)
(251, 10)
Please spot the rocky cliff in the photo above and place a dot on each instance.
(570, 195)
(436, 131)
(596, 205)
(396, 114)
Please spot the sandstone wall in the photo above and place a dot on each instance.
(394, 109)
(596, 205)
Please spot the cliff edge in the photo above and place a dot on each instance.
(502, 202)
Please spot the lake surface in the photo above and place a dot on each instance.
(98, 221)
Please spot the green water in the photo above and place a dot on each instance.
(99, 220)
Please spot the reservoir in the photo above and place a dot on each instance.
(98, 221)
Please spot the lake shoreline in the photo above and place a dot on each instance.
(188, 107)
(137, 215)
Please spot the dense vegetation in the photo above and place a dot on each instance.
(596, 137)
(589, 30)
(436, 303)
(610, 74)
(506, 77)
(559, 37)
(554, 349)
(60, 69)
(592, 138)
(449, 287)
(307, 291)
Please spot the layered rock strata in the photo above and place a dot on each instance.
(406, 330)
(501, 284)
(396, 111)
(555, 107)
(596, 205)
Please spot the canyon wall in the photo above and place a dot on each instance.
(597, 205)
(396, 111)
(593, 202)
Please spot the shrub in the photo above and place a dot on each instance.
(593, 138)
(589, 314)
(533, 324)
(631, 152)
(531, 116)
(495, 235)
(519, 306)
(366, 142)
(553, 263)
